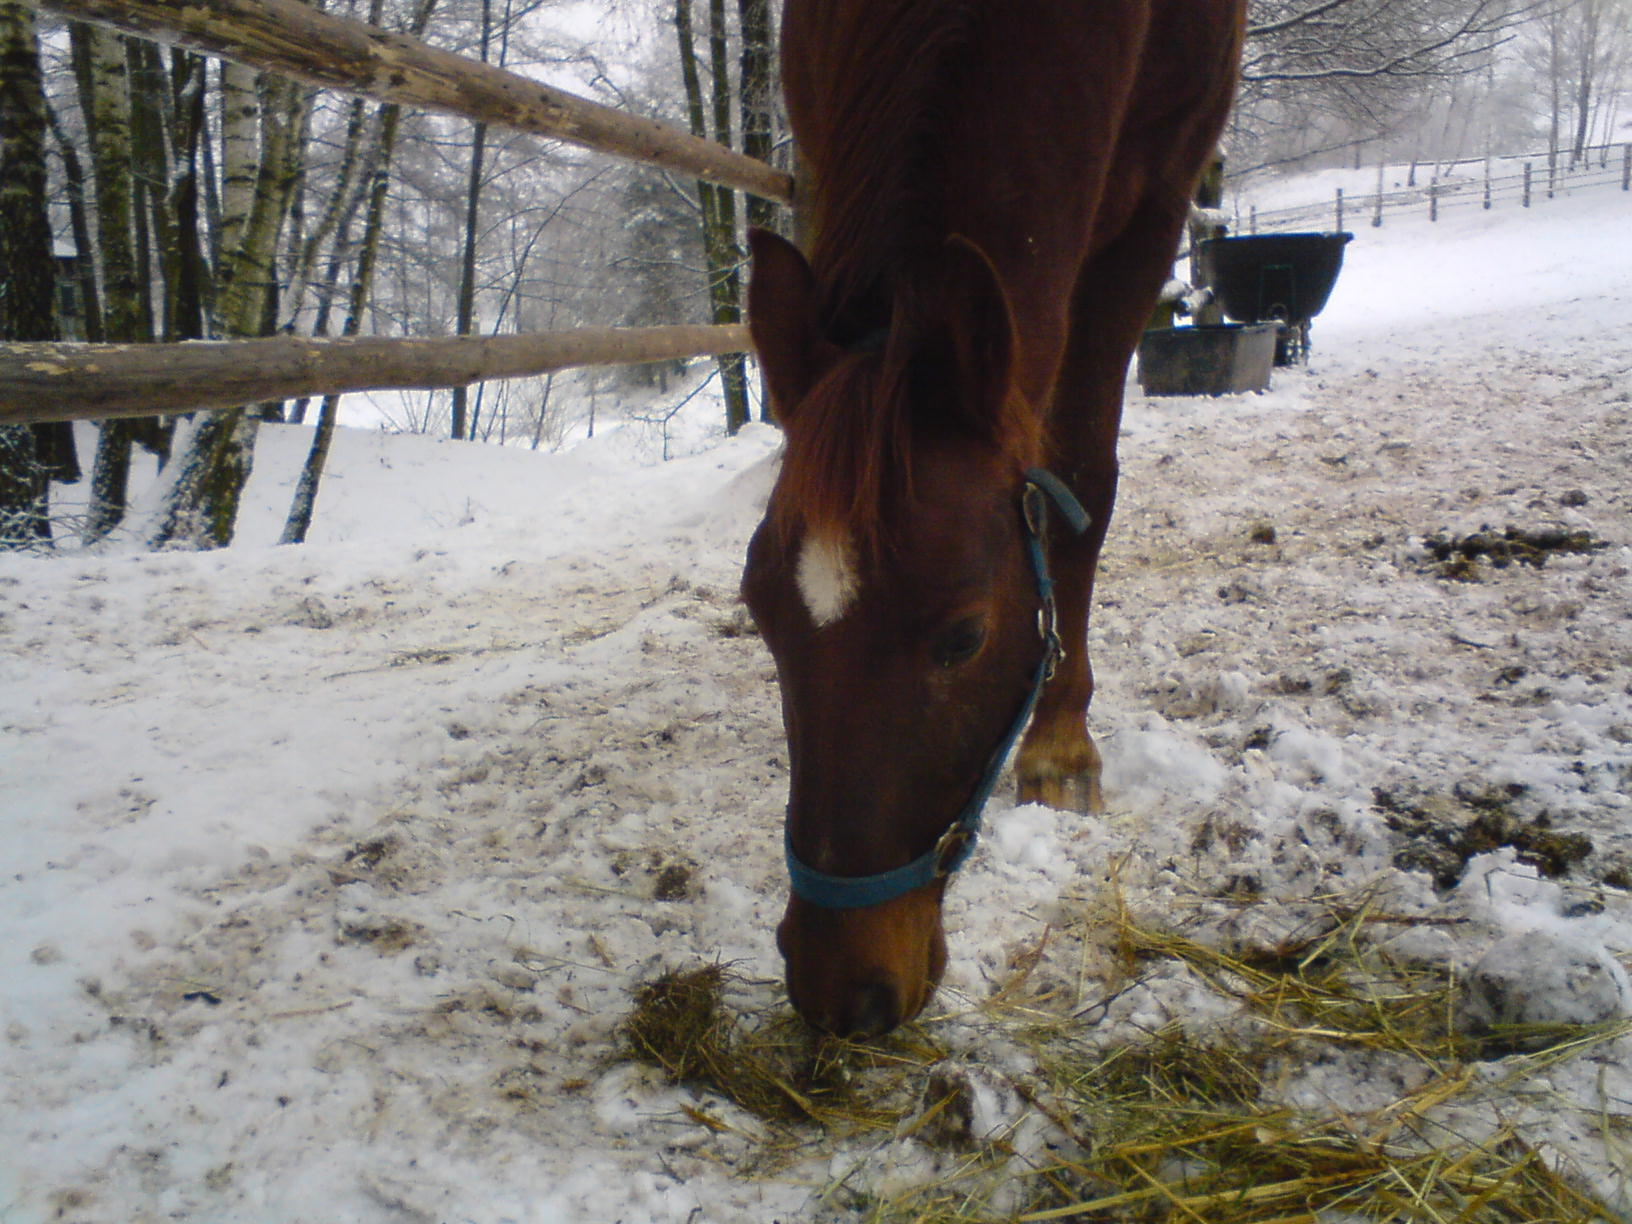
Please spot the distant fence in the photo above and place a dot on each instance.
(1522, 181)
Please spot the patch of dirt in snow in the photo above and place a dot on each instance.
(1338, 656)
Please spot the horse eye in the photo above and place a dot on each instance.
(960, 643)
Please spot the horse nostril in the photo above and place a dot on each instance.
(877, 1010)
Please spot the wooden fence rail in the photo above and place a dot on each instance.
(296, 40)
(66, 382)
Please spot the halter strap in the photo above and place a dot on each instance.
(953, 848)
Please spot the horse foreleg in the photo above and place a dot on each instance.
(1058, 764)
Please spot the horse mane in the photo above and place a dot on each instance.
(887, 91)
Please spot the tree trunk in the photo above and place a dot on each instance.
(467, 266)
(467, 270)
(339, 252)
(107, 107)
(79, 223)
(718, 203)
(757, 87)
(1586, 63)
(152, 121)
(1555, 89)
(201, 506)
(240, 109)
(726, 273)
(342, 204)
(185, 318)
(27, 270)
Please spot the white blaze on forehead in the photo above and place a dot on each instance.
(827, 577)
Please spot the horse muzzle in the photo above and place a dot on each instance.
(862, 972)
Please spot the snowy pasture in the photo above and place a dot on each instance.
(330, 871)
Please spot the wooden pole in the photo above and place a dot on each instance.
(1377, 211)
(1626, 167)
(1526, 197)
(1339, 208)
(296, 40)
(68, 382)
(1433, 198)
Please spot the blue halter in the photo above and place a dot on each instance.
(954, 846)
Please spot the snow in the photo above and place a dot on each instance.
(329, 870)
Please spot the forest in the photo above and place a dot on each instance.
(149, 193)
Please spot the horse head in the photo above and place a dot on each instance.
(895, 580)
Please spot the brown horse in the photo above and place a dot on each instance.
(994, 190)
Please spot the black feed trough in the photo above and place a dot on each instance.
(1281, 278)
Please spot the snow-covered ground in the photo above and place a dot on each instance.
(328, 871)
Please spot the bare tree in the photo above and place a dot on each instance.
(104, 79)
(1320, 74)
(30, 456)
(1588, 50)
(299, 520)
(467, 261)
(262, 139)
(719, 204)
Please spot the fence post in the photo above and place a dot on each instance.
(1626, 167)
(1433, 198)
(1487, 184)
(1340, 208)
(1552, 172)
(1252, 219)
(1377, 212)
(1527, 184)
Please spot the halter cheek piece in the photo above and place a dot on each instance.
(955, 845)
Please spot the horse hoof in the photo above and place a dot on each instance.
(1079, 792)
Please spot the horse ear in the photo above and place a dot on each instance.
(969, 349)
(782, 318)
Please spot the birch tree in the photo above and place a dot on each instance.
(103, 74)
(262, 122)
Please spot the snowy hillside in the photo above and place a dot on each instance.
(330, 871)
